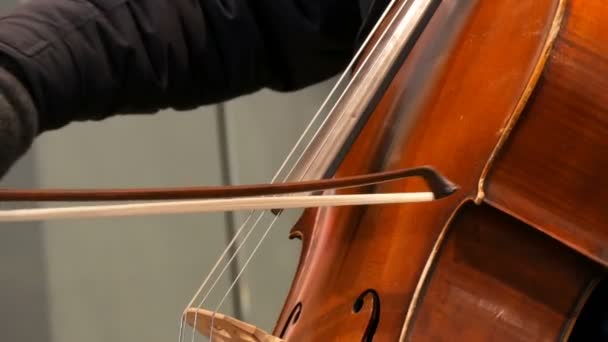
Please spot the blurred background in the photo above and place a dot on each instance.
(129, 279)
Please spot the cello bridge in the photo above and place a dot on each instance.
(226, 328)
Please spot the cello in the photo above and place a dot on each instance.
(503, 104)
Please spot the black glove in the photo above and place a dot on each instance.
(18, 120)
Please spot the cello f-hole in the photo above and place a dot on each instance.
(294, 315)
(374, 319)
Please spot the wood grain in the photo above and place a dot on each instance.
(497, 279)
(553, 171)
(447, 107)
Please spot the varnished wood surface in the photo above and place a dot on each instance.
(497, 279)
(553, 173)
(380, 254)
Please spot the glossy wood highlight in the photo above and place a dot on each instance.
(552, 172)
(497, 279)
(361, 268)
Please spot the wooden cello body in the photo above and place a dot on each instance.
(508, 99)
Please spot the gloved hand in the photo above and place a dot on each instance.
(18, 120)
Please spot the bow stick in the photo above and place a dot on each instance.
(251, 197)
(438, 184)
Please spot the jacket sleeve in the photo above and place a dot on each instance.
(90, 59)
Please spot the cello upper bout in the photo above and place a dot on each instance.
(552, 171)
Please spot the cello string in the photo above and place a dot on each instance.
(263, 237)
(325, 139)
(244, 225)
(276, 217)
(316, 155)
(315, 118)
(248, 219)
(285, 162)
(213, 269)
(235, 253)
(308, 129)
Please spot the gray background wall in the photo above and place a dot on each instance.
(128, 279)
